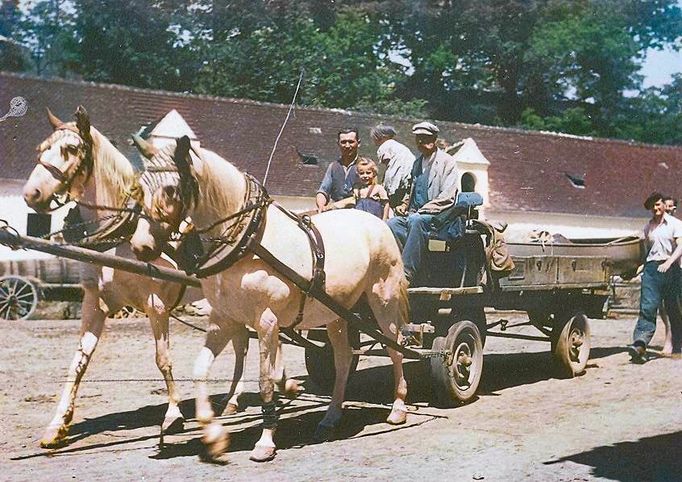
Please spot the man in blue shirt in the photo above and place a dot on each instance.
(341, 174)
(434, 187)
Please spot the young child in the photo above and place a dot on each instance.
(370, 196)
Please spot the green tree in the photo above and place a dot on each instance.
(12, 56)
(345, 65)
(131, 42)
(46, 31)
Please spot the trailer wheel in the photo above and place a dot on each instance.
(455, 377)
(18, 298)
(319, 362)
(571, 345)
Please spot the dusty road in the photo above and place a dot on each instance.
(617, 422)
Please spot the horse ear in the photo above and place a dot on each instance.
(182, 149)
(83, 122)
(55, 122)
(188, 183)
(147, 149)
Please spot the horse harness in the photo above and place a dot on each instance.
(246, 226)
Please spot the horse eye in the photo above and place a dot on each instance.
(69, 149)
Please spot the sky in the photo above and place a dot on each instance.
(659, 67)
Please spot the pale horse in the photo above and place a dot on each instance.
(362, 261)
(77, 161)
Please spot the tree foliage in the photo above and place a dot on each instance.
(567, 65)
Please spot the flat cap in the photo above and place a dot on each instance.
(425, 128)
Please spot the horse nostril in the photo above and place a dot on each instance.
(32, 195)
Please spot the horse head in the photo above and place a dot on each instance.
(169, 190)
(64, 162)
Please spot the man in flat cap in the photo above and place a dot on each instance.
(434, 187)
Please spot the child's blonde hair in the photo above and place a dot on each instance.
(367, 162)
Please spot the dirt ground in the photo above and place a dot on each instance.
(617, 422)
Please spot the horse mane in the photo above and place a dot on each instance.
(221, 185)
(113, 173)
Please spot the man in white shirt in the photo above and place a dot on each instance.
(660, 278)
(398, 159)
(670, 208)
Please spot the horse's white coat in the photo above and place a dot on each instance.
(362, 258)
(107, 290)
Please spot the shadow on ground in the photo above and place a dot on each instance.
(373, 386)
(653, 459)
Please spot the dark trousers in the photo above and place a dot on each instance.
(656, 288)
(413, 233)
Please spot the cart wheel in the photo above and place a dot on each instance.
(457, 375)
(571, 345)
(18, 298)
(319, 362)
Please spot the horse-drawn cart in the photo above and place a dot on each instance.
(558, 285)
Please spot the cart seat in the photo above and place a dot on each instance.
(466, 204)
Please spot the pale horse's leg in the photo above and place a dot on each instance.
(215, 438)
(668, 342)
(343, 356)
(158, 314)
(389, 304)
(240, 343)
(268, 343)
(92, 324)
(287, 386)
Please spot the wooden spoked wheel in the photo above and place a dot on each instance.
(18, 298)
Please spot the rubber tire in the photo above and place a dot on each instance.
(570, 359)
(447, 389)
(320, 362)
(27, 292)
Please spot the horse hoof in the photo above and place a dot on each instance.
(397, 417)
(218, 459)
(262, 453)
(54, 437)
(215, 443)
(231, 409)
(323, 433)
(173, 425)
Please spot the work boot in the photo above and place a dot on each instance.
(637, 353)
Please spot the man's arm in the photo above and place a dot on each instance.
(321, 201)
(665, 266)
(322, 196)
